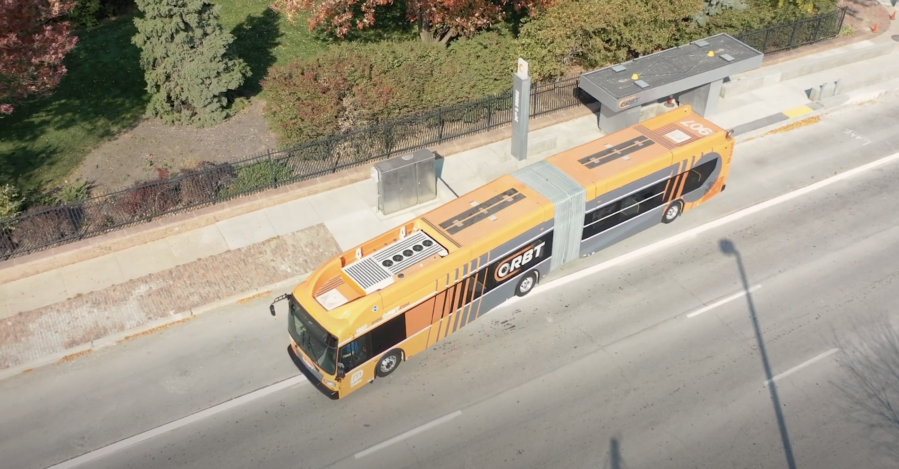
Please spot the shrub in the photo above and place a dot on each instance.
(203, 183)
(43, 226)
(75, 192)
(145, 200)
(474, 68)
(88, 13)
(10, 204)
(759, 15)
(594, 33)
(357, 85)
(305, 97)
(258, 175)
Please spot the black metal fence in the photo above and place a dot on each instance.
(41, 228)
(803, 32)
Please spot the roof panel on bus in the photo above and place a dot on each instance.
(607, 157)
(617, 158)
(487, 211)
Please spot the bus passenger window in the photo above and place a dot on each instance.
(603, 212)
(356, 352)
(631, 206)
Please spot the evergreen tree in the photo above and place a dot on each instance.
(186, 60)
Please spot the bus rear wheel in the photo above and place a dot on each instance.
(389, 363)
(526, 284)
(673, 211)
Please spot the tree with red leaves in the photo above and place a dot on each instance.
(32, 47)
(437, 20)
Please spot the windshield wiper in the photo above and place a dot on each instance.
(308, 343)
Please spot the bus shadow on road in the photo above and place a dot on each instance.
(728, 248)
(319, 386)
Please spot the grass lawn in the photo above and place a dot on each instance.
(103, 92)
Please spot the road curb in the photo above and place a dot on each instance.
(117, 338)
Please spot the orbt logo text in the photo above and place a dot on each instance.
(514, 264)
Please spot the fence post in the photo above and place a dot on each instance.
(817, 29)
(76, 225)
(271, 166)
(489, 113)
(214, 180)
(331, 145)
(534, 93)
(439, 125)
(793, 34)
(388, 146)
(765, 44)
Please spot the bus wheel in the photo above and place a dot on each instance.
(526, 284)
(672, 212)
(388, 363)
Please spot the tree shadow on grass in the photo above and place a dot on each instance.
(102, 94)
(255, 40)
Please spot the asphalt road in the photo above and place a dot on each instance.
(661, 361)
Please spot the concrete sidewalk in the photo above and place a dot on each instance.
(60, 311)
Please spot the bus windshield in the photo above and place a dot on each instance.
(313, 339)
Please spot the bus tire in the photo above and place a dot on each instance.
(673, 211)
(526, 284)
(388, 363)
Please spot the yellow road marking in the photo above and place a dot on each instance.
(797, 111)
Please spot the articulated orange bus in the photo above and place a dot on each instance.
(361, 314)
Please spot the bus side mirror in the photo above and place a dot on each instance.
(341, 371)
(271, 308)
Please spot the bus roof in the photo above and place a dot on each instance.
(611, 161)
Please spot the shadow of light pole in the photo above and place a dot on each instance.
(614, 455)
(728, 248)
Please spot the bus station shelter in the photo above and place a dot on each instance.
(691, 73)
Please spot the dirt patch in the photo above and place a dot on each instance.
(154, 330)
(795, 125)
(151, 147)
(255, 297)
(861, 15)
(73, 356)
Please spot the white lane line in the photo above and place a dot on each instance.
(800, 366)
(140, 437)
(414, 431)
(692, 233)
(722, 301)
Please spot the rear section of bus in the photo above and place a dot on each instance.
(647, 174)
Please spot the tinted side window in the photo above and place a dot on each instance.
(356, 352)
(623, 209)
(387, 335)
(697, 176)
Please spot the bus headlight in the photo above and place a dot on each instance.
(331, 384)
